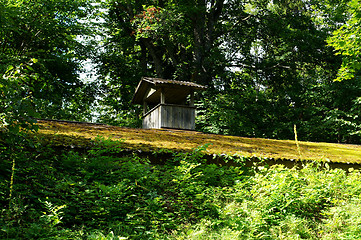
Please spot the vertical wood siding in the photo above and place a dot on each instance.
(170, 116)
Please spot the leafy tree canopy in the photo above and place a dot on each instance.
(347, 41)
(39, 40)
(266, 63)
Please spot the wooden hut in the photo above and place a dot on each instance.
(167, 103)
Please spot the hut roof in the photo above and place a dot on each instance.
(177, 89)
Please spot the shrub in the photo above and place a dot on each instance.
(100, 194)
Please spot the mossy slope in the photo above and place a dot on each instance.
(79, 135)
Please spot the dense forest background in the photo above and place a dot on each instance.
(268, 65)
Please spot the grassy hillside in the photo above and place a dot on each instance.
(79, 134)
(48, 192)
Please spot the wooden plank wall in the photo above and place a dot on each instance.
(152, 119)
(170, 116)
(180, 117)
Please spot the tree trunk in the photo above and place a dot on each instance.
(158, 64)
(204, 37)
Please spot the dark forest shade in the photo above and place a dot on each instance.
(167, 103)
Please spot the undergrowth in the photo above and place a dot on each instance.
(103, 193)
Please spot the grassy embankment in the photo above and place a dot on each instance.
(75, 134)
(97, 193)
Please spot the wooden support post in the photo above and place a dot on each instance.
(162, 96)
(191, 102)
(145, 107)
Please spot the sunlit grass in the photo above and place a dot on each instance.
(76, 134)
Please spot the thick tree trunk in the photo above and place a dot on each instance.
(204, 37)
(143, 59)
(158, 64)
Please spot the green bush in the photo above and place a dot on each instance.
(107, 194)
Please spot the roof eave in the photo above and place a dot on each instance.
(157, 83)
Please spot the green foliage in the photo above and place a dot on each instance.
(40, 41)
(104, 193)
(52, 216)
(346, 41)
(325, 111)
(39, 64)
(17, 103)
(101, 191)
(285, 203)
(266, 63)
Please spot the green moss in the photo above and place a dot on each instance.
(80, 135)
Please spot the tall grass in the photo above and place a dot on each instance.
(296, 140)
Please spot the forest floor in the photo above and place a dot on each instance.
(75, 134)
